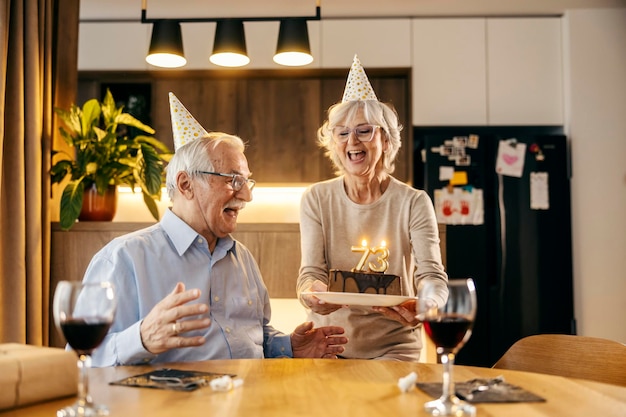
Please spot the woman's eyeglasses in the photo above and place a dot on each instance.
(364, 133)
(237, 181)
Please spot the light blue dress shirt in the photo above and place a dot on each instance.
(145, 266)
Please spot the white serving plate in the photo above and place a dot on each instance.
(358, 299)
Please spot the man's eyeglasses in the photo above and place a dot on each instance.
(237, 181)
(364, 133)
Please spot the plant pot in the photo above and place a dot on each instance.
(98, 207)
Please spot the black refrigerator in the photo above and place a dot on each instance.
(504, 195)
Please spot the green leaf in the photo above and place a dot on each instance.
(129, 120)
(154, 142)
(151, 204)
(71, 203)
(108, 108)
(60, 170)
(152, 169)
(91, 114)
(72, 122)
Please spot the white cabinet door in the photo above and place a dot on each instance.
(449, 72)
(113, 46)
(525, 75)
(379, 43)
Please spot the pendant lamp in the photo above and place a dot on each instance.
(293, 47)
(229, 46)
(166, 45)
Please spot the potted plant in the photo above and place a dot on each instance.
(106, 156)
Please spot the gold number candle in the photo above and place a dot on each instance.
(366, 253)
(383, 263)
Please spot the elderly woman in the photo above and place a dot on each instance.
(362, 139)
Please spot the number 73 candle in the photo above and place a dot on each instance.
(381, 250)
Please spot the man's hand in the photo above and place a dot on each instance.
(161, 328)
(323, 342)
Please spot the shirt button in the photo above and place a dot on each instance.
(249, 302)
(200, 240)
(227, 330)
(216, 298)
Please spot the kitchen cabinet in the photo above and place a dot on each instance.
(449, 72)
(525, 71)
(276, 112)
(487, 72)
(379, 43)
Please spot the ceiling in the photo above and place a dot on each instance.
(131, 9)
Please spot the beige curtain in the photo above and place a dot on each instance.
(38, 67)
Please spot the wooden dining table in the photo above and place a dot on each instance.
(327, 387)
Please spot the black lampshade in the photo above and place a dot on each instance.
(229, 46)
(293, 47)
(166, 45)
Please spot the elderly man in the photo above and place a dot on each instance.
(187, 291)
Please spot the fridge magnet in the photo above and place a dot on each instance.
(459, 141)
(464, 160)
(472, 141)
(445, 173)
(539, 193)
(459, 207)
(510, 159)
(536, 149)
(459, 178)
(447, 151)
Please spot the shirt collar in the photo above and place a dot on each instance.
(183, 236)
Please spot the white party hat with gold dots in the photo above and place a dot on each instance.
(358, 87)
(184, 127)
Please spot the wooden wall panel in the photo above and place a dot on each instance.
(276, 248)
(279, 117)
(277, 113)
(212, 102)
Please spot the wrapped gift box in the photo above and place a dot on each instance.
(30, 374)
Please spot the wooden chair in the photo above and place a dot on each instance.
(582, 357)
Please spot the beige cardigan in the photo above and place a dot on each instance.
(404, 217)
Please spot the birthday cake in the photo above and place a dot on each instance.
(364, 282)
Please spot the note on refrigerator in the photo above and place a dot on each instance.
(446, 173)
(510, 159)
(539, 194)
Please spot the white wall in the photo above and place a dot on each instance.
(596, 86)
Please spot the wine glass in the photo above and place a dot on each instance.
(449, 327)
(83, 312)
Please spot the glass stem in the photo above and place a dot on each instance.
(447, 359)
(84, 363)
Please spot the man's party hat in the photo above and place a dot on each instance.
(358, 87)
(184, 127)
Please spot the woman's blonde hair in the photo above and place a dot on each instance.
(376, 113)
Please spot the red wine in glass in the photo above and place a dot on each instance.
(449, 326)
(449, 331)
(84, 336)
(83, 312)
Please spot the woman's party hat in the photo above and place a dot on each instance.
(358, 87)
(184, 127)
